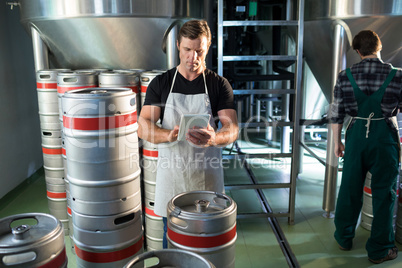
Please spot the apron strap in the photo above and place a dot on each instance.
(174, 79)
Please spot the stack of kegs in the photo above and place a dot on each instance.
(153, 222)
(149, 157)
(32, 240)
(367, 208)
(51, 135)
(101, 142)
(67, 81)
(203, 222)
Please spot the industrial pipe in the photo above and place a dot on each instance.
(331, 167)
(40, 51)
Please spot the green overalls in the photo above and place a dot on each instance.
(371, 145)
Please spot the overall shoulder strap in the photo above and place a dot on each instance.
(388, 80)
(351, 79)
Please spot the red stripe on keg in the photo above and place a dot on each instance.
(150, 212)
(63, 90)
(400, 138)
(58, 261)
(134, 89)
(63, 151)
(98, 123)
(149, 153)
(144, 89)
(46, 85)
(105, 257)
(202, 241)
(69, 211)
(52, 151)
(367, 189)
(56, 195)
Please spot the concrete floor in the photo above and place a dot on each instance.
(311, 237)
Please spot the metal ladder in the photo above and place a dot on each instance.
(291, 92)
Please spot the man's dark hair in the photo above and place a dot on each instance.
(194, 29)
(367, 42)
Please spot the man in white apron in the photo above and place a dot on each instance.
(190, 88)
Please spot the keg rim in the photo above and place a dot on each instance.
(91, 92)
(175, 210)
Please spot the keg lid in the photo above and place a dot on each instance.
(201, 202)
(25, 229)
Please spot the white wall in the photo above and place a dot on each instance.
(20, 141)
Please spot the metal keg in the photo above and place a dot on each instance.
(100, 134)
(145, 80)
(52, 151)
(153, 227)
(108, 248)
(52, 156)
(367, 208)
(32, 240)
(46, 84)
(105, 198)
(203, 222)
(149, 161)
(398, 225)
(171, 258)
(57, 203)
(120, 78)
(71, 80)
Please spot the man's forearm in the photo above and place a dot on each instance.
(336, 132)
(151, 132)
(226, 135)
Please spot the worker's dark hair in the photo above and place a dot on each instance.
(367, 42)
(194, 29)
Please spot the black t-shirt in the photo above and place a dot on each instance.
(219, 90)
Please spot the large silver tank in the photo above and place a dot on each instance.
(382, 16)
(114, 34)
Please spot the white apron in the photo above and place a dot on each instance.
(182, 166)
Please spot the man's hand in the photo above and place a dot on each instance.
(339, 149)
(201, 137)
(173, 134)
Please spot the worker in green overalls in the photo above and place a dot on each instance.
(371, 93)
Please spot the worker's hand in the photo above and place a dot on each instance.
(202, 137)
(339, 149)
(173, 134)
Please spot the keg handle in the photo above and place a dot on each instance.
(175, 220)
(220, 196)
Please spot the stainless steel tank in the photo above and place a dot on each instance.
(122, 34)
(321, 17)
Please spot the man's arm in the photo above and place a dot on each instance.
(149, 131)
(205, 137)
(339, 146)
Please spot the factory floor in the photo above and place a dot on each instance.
(310, 238)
